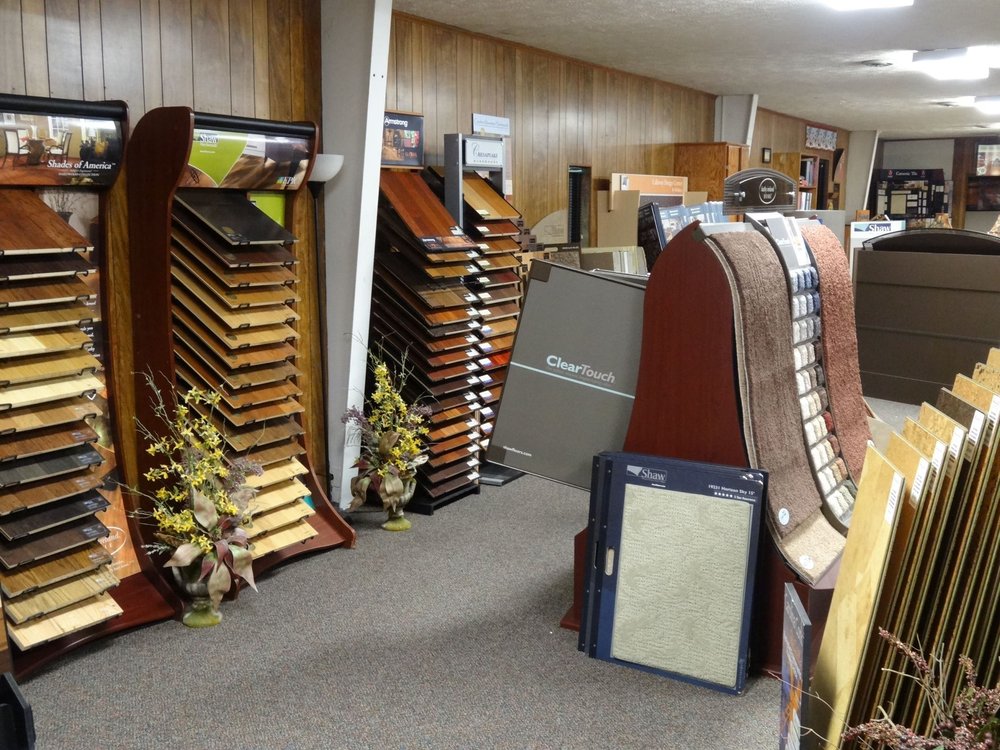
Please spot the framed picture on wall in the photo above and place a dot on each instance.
(765, 155)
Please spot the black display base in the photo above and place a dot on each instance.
(426, 505)
(17, 725)
(496, 475)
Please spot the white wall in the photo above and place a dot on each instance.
(923, 154)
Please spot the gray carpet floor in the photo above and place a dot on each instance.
(446, 636)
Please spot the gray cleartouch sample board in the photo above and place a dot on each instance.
(571, 381)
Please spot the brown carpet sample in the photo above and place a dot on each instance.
(840, 346)
(774, 420)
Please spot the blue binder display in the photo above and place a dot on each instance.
(670, 574)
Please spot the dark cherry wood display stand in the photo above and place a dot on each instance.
(159, 154)
(687, 406)
(144, 596)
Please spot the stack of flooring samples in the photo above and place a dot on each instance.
(233, 291)
(923, 563)
(818, 426)
(53, 570)
(429, 317)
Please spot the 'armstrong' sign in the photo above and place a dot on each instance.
(402, 140)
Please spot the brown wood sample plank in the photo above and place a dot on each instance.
(271, 454)
(36, 521)
(195, 297)
(86, 614)
(277, 519)
(44, 391)
(271, 335)
(295, 533)
(390, 286)
(498, 310)
(463, 453)
(233, 218)
(498, 327)
(39, 546)
(496, 228)
(277, 495)
(47, 415)
(54, 569)
(226, 266)
(44, 292)
(54, 316)
(485, 200)
(58, 365)
(231, 257)
(29, 470)
(420, 334)
(63, 594)
(506, 293)
(241, 368)
(501, 261)
(46, 440)
(29, 343)
(17, 268)
(258, 414)
(242, 439)
(236, 297)
(489, 279)
(435, 294)
(197, 373)
(453, 485)
(27, 225)
(416, 204)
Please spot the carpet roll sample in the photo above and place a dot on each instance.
(673, 553)
(774, 414)
(840, 344)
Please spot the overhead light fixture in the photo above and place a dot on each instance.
(951, 64)
(867, 4)
(988, 105)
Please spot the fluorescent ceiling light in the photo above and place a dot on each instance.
(989, 105)
(867, 4)
(951, 65)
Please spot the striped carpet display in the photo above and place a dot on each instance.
(840, 346)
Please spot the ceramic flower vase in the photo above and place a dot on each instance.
(199, 610)
(397, 521)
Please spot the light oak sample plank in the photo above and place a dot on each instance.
(264, 335)
(484, 200)
(296, 533)
(58, 596)
(69, 620)
(243, 368)
(195, 298)
(45, 391)
(278, 495)
(271, 454)
(235, 298)
(32, 577)
(29, 226)
(59, 412)
(31, 343)
(277, 472)
(74, 362)
(242, 439)
(195, 373)
(274, 520)
(17, 320)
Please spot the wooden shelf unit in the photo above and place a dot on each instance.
(63, 607)
(159, 154)
(707, 165)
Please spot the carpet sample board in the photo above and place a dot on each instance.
(840, 345)
(851, 620)
(673, 549)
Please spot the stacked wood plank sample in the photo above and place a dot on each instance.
(232, 287)
(53, 569)
(936, 588)
(427, 314)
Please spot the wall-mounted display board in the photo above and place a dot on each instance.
(72, 568)
(908, 193)
(216, 306)
(403, 140)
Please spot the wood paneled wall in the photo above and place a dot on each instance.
(251, 58)
(562, 111)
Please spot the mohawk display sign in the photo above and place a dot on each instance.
(758, 190)
(402, 139)
(43, 148)
(246, 161)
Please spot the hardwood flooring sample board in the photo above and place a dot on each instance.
(59, 412)
(214, 332)
(196, 299)
(25, 496)
(275, 453)
(486, 201)
(295, 533)
(19, 525)
(194, 372)
(44, 266)
(29, 343)
(235, 298)
(850, 622)
(415, 203)
(44, 292)
(69, 620)
(261, 256)
(47, 572)
(242, 439)
(56, 365)
(233, 217)
(433, 294)
(272, 521)
(52, 465)
(242, 368)
(28, 225)
(17, 320)
(58, 596)
(40, 546)
(278, 472)
(46, 440)
(45, 391)
(277, 495)
(228, 267)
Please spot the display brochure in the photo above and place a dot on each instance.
(402, 139)
(795, 666)
(672, 550)
(246, 161)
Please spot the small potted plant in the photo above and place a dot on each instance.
(391, 437)
(201, 505)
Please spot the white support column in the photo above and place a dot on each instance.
(860, 162)
(735, 116)
(355, 57)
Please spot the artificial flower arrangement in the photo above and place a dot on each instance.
(202, 503)
(391, 436)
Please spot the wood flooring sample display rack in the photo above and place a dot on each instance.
(69, 571)
(216, 306)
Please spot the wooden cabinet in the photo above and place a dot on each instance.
(707, 165)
